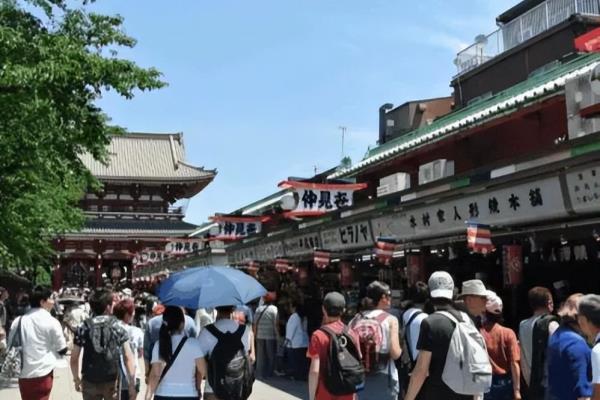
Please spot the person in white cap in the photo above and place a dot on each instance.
(474, 294)
(503, 350)
(434, 340)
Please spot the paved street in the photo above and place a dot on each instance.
(277, 389)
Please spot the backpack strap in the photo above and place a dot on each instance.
(382, 316)
(214, 331)
(407, 334)
(172, 360)
(451, 317)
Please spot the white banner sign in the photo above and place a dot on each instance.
(518, 204)
(302, 245)
(184, 246)
(269, 251)
(236, 228)
(584, 189)
(349, 236)
(319, 198)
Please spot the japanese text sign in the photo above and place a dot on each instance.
(515, 204)
(235, 228)
(316, 199)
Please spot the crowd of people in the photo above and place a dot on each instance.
(441, 345)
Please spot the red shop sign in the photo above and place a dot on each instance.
(512, 264)
(346, 273)
(415, 268)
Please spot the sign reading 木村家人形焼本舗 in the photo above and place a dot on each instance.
(315, 199)
(237, 227)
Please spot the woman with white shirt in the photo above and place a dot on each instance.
(296, 339)
(182, 380)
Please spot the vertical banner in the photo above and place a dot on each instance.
(512, 264)
(415, 268)
(346, 278)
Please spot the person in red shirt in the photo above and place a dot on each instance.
(503, 349)
(333, 308)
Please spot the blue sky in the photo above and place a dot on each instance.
(259, 88)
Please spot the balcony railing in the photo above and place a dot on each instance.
(530, 24)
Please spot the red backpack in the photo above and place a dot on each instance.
(370, 336)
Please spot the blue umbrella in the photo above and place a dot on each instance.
(209, 287)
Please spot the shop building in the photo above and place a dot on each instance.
(519, 152)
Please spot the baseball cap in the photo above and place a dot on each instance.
(494, 303)
(441, 285)
(334, 304)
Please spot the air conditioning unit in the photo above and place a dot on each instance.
(393, 183)
(582, 95)
(435, 170)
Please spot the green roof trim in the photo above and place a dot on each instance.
(536, 87)
(585, 148)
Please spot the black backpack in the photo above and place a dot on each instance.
(230, 371)
(345, 373)
(102, 349)
(541, 329)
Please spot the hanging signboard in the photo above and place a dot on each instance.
(184, 246)
(349, 236)
(269, 251)
(512, 263)
(584, 189)
(236, 227)
(516, 204)
(415, 268)
(302, 245)
(316, 199)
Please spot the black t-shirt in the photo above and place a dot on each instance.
(436, 332)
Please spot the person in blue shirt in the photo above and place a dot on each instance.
(569, 357)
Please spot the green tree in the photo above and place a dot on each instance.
(57, 58)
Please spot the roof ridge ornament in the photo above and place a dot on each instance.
(173, 153)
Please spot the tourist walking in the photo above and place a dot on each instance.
(266, 330)
(42, 342)
(102, 340)
(569, 357)
(589, 321)
(411, 326)
(534, 333)
(382, 381)
(152, 332)
(177, 369)
(296, 339)
(503, 350)
(326, 339)
(426, 381)
(124, 311)
(228, 357)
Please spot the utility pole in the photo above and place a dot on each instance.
(343, 129)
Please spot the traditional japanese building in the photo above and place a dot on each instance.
(519, 152)
(136, 217)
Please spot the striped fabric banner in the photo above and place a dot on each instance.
(384, 250)
(479, 238)
(321, 258)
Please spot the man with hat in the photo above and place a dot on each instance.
(474, 295)
(589, 321)
(426, 381)
(334, 304)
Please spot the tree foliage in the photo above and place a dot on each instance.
(56, 61)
